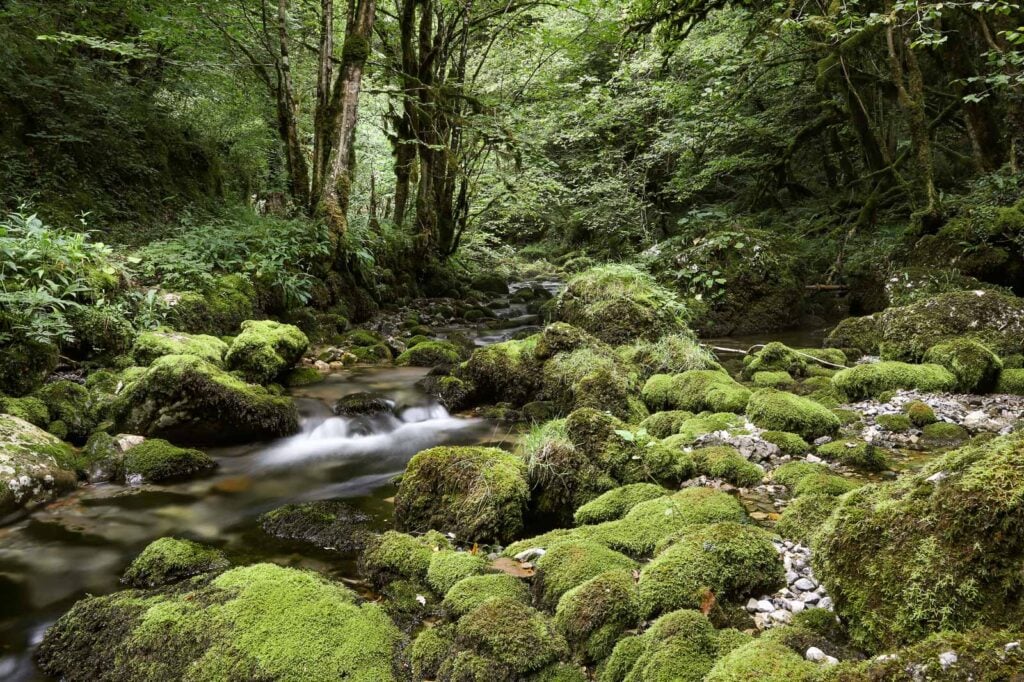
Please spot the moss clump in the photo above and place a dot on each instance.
(791, 473)
(570, 563)
(930, 551)
(514, 638)
(31, 409)
(695, 391)
(595, 378)
(1011, 381)
(560, 337)
(821, 390)
(860, 333)
(70, 404)
(218, 311)
(186, 399)
(24, 365)
(855, 453)
(725, 462)
(763, 660)
(468, 593)
(616, 503)
(873, 379)
(449, 567)
(430, 354)
(505, 372)
(897, 423)
(681, 646)
(975, 367)
(920, 413)
(171, 560)
(823, 484)
(594, 614)
(156, 460)
(302, 376)
(395, 555)
(265, 350)
(329, 524)
(944, 434)
(36, 466)
(788, 443)
(475, 492)
(781, 411)
(779, 358)
(256, 622)
(672, 354)
(429, 651)
(691, 429)
(665, 424)
(619, 304)
(726, 561)
(772, 380)
(802, 517)
(99, 331)
(151, 345)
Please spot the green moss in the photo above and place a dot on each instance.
(763, 660)
(975, 367)
(265, 350)
(671, 354)
(1011, 381)
(512, 635)
(71, 404)
(780, 359)
(570, 563)
(594, 614)
(560, 672)
(560, 337)
(184, 398)
(468, 593)
(505, 372)
(861, 333)
(478, 493)
(772, 380)
(791, 473)
(823, 484)
(665, 424)
(781, 411)
(897, 423)
(31, 409)
(920, 413)
(821, 390)
(788, 443)
(802, 517)
(869, 380)
(256, 622)
(397, 555)
(726, 560)
(726, 463)
(171, 560)
(616, 503)
(329, 524)
(944, 434)
(695, 391)
(24, 365)
(592, 377)
(35, 466)
(151, 345)
(99, 331)
(156, 460)
(218, 311)
(930, 551)
(429, 651)
(448, 567)
(702, 424)
(303, 376)
(619, 304)
(430, 354)
(855, 453)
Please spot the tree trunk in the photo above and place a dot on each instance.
(324, 73)
(287, 114)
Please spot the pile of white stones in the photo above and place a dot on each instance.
(802, 591)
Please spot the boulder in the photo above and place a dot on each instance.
(265, 350)
(34, 465)
(171, 560)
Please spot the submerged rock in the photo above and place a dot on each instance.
(362, 405)
(328, 524)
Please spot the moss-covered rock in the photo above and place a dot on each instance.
(702, 424)
(155, 460)
(98, 331)
(395, 555)
(151, 345)
(975, 367)
(764, 660)
(570, 563)
(186, 399)
(670, 354)
(34, 465)
(24, 365)
(897, 423)
(265, 350)
(594, 614)
(695, 391)
(778, 357)
(726, 463)
(855, 453)
(780, 380)
(1011, 381)
(468, 593)
(943, 434)
(478, 493)
(665, 424)
(781, 411)
(429, 651)
(71, 405)
(723, 561)
(304, 375)
(219, 310)
(863, 334)
(514, 638)
(872, 379)
(31, 409)
(593, 377)
(328, 524)
(930, 551)
(170, 560)
(258, 622)
(802, 517)
(505, 372)
(788, 443)
(430, 354)
(616, 503)
(449, 567)
(920, 413)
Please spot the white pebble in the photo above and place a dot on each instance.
(947, 659)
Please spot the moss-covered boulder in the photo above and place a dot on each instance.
(24, 365)
(430, 354)
(872, 379)
(570, 563)
(681, 646)
(394, 556)
(802, 517)
(171, 560)
(472, 591)
(788, 443)
(186, 399)
(34, 465)
(475, 492)
(70, 405)
(619, 304)
(98, 331)
(766, 660)
(30, 408)
(778, 357)
(151, 345)
(707, 422)
(1011, 381)
(975, 367)
(260, 622)
(725, 462)
(920, 413)
(665, 424)
(218, 310)
(449, 567)
(155, 460)
(593, 377)
(857, 333)
(855, 453)
(616, 503)
(505, 372)
(265, 350)
(931, 551)
(720, 561)
(594, 614)
(670, 354)
(695, 391)
(782, 411)
(328, 524)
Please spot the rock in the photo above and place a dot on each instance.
(815, 654)
(530, 554)
(155, 460)
(328, 524)
(35, 466)
(363, 405)
(764, 606)
(947, 659)
(154, 344)
(265, 350)
(804, 585)
(170, 560)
